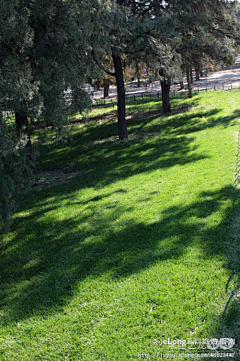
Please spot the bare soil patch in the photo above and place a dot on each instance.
(54, 177)
(97, 117)
(155, 113)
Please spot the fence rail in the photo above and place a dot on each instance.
(224, 86)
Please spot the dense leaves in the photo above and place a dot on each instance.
(208, 32)
(43, 54)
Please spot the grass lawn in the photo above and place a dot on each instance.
(142, 246)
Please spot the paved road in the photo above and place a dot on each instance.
(223, 78)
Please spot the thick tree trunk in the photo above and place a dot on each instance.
(189, 82)
(122, 127)
(165, 86)
(22, 126)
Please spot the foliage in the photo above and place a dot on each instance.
(136, 36)
(48, 57)
(208, 32)
(200, 32)
(43, 54)
(143, 33)
(15, 172)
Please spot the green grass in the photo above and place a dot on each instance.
(142, 246)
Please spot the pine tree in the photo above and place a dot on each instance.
(134, 29)
(208, 30)
(44, 52)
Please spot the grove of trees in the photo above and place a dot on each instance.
(50, 49)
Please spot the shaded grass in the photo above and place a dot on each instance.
(142, 246)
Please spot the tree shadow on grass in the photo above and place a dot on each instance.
(187, 123)
(228, 324)
(48, 259)
(104, 164)
(95, 149)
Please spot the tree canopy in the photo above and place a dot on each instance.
(208, 30)
(48, 47)
(44, 52)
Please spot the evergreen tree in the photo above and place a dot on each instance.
(44, 52)
(134, 28)
(208, 29)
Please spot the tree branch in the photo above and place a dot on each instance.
(100, 65)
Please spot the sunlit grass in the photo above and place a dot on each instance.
(142, 246)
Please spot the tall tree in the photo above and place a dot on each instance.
(133, 28)
(43, 52)
(41, 61)
(208, 29)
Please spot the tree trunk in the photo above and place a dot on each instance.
(181, 85)
(191, 74)
(165, 86)
(97, 83)
(138, 75)
(165, 97)
(105, 88)
(122, 127)
(189, 82)
(23, 127)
